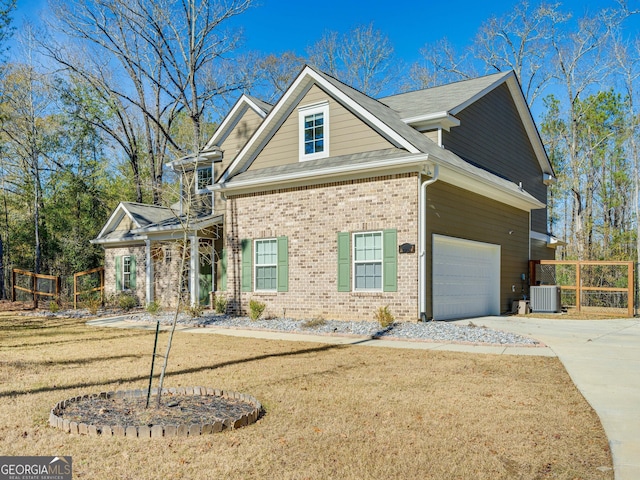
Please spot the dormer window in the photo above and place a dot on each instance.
(204, 178)
(314, 131)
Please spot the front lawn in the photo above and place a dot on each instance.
(330, 411)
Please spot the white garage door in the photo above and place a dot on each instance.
(466, 278)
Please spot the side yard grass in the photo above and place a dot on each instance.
(330, 411)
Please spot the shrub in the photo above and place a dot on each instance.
(255, 309)
(126, 301)
(384, 317)
(54, 307)
(314, 322)
(154, 308)
(220, 304)
(92, 303)
(194, 311)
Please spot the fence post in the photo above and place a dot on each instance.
(578, 286)
(630, 293)
(34, 287)
(13, 285)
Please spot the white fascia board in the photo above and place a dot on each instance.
(115, 218)
(283, 105)
(550, 240)
(415, 163)
(221, 131)
(439, 119)
(135, 240)
(205, 156)
(195, 225)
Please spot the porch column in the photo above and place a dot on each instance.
(194, 271)
(149, 294)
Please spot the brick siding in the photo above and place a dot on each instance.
(311, 218)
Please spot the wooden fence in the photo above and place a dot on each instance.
(76, 281)
(589, 286)
(35, 288)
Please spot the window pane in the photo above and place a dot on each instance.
(313, 133)
(368, 276)
(204, 178)
(266, 278)
(368, 247)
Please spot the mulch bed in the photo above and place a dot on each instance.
(174, 409)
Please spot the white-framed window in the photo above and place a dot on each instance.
(314, 131)
(367, 262)
(266, 265)
(126, 272)
(204, 178)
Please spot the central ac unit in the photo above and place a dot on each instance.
(546, 298)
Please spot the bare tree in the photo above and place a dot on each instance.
(171, 59)
(278, 71)
(519, 41)
(440, 64)
(362, 58)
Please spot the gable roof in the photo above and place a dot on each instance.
(244, 103)
(140, 214)
(450, 99)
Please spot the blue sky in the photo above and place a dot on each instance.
(274, 26)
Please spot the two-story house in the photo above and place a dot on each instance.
(333, 203)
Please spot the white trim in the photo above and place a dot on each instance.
(303, 113)
(380, 261)
(439, 119)
(255, 265)
(415, 163)
(149, 269)
(243, 101)
(194, 270)
(550, 240)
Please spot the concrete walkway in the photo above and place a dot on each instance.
(602, 358)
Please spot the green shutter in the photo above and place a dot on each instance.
(118, 261)
(283, 264)
(344, 261)
(390, 259)
(132, 268)
(223, 270)
(247, 265)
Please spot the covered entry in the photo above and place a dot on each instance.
(466, 278)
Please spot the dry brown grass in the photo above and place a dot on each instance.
(331, 411)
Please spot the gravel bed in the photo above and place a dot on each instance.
(424, 331)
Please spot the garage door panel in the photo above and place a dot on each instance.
(466, 278)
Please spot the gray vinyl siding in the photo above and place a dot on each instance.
(492, 136)
(455, 212)
(347, 134)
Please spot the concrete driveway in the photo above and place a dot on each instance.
(603, 359)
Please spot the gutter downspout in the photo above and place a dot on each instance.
(422, 248)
